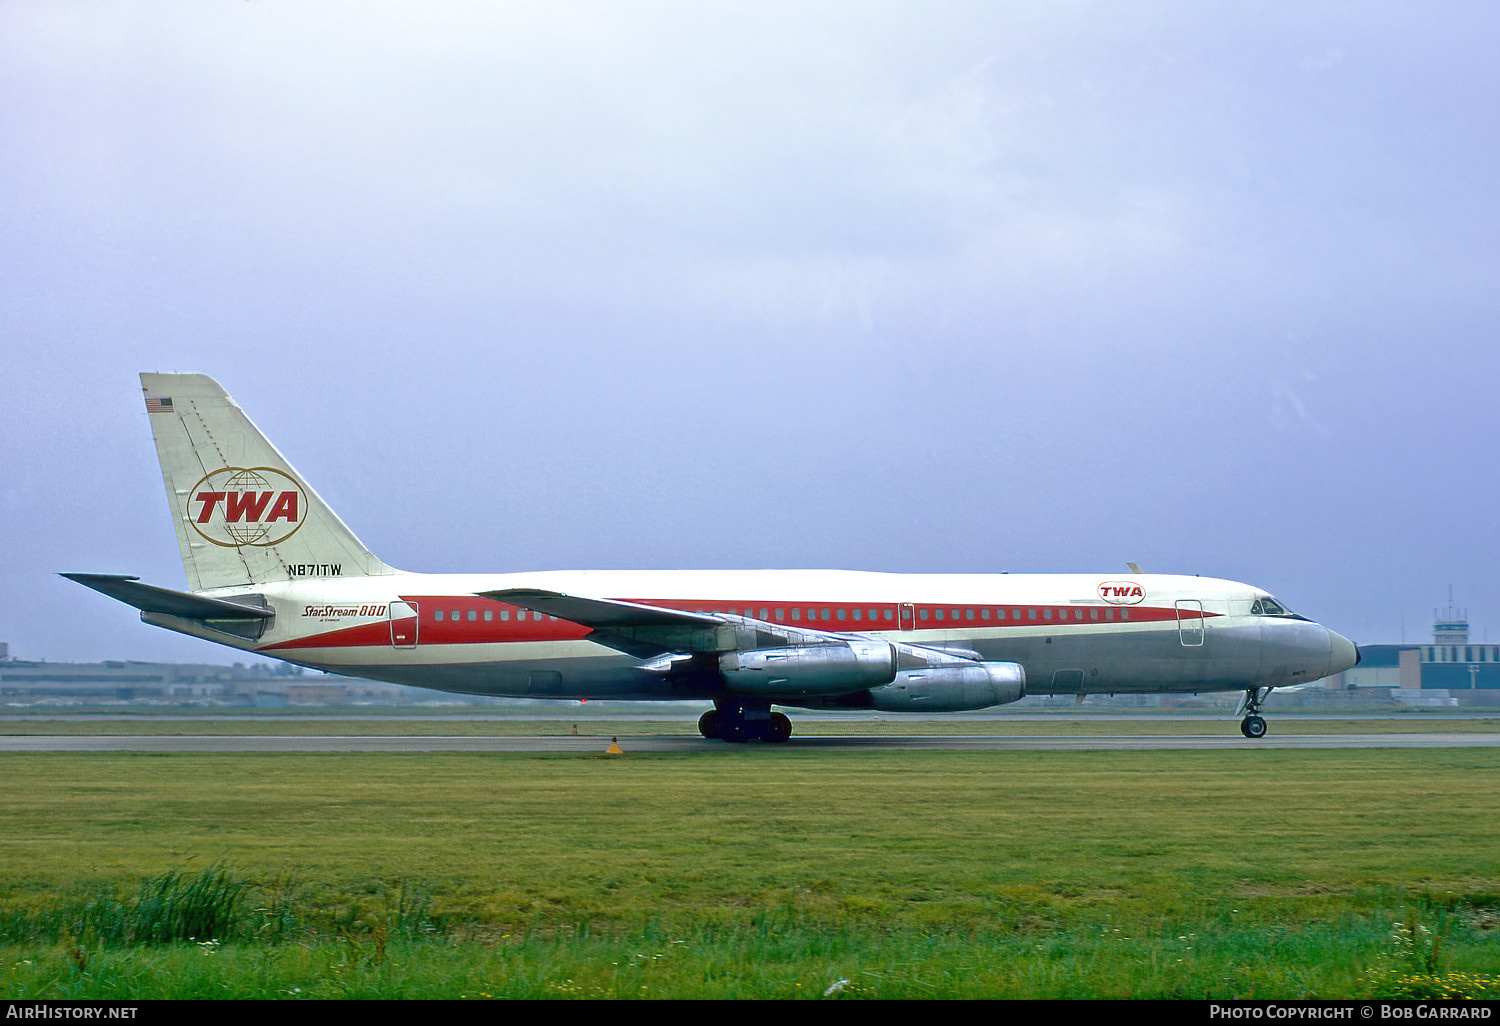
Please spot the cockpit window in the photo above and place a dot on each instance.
(1269, 607)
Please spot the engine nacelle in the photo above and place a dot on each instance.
(951, 688)
(810, 669)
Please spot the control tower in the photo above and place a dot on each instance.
(1452, 626)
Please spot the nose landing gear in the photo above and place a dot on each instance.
(1253, 725)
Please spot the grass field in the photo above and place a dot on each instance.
(756, 872)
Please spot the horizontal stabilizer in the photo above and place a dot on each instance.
(150, 599)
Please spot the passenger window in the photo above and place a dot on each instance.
(781, 614)
(923, 614)
(438, 615)
(969, 614)
(473, 615)
(889, 615)
(796, 614)
(489, 615)
(1046, 614)
(842, 615)
(984, 614)
(940, 613)
(1031, 614)
(859, 614)
(825, 614)
(455, 616)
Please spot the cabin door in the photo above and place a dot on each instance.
(1190, 622)
(403, 624)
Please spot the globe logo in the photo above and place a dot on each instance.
(239, 506)
(251, 533)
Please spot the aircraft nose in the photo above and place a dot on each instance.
(1342, 654)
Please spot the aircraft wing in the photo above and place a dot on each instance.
(600, 613)
(649, 632)
(633, 628)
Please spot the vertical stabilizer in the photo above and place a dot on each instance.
(243, 514)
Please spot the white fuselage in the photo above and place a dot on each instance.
(1073, 633)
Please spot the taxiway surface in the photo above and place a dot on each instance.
(690, 743)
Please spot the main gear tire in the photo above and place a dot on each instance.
(779, 729)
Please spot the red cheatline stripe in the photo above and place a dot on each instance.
(523, 625)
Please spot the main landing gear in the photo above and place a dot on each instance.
(737, 721)
(1254, 725)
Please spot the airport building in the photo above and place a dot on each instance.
(1450, 671)
(24, 681)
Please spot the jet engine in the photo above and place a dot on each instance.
(957, 687)
(810, 669)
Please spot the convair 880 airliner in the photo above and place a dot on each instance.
(272, 570)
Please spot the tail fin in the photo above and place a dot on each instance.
(243, 515)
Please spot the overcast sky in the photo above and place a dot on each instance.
(936, 286)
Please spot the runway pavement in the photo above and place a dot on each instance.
(693, 743)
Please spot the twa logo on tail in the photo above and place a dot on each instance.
(1121, 593)
(239, 506)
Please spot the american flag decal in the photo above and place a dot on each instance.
(158, 405)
